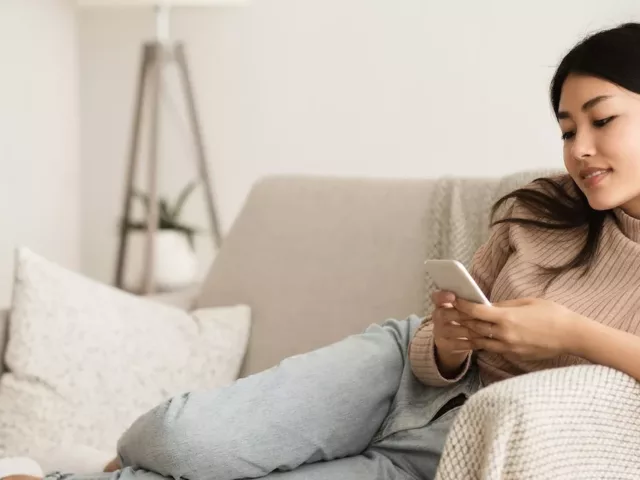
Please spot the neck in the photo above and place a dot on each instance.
(632, 208)
(629, 224)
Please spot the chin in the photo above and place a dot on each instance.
(603, 202)
(602, 207)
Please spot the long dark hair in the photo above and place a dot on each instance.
(558, 203)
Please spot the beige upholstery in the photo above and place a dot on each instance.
(318, 258)
(321, 258)
(4, 325)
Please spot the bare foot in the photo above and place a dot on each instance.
(113, 466)
(21, 477)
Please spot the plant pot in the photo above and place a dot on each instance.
(175, 264)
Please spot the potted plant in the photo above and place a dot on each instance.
(175, 264)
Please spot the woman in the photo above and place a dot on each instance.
(560, 267)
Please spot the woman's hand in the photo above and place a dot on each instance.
(452, 340)
(449, 334)
(21, 477)
(529, 328)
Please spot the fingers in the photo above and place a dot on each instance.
(451, 324)
(490, 345)
(481, 328)
(450, 336)
(447, 315)
(457, 345)
(478, 311)
(451, 331)
(452, 327)
(456, 333)
(441, 298)
(454, 344)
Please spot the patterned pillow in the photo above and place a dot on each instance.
(84, 359)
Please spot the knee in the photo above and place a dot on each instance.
(389, 341)
(161, 440)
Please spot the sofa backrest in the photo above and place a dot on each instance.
(321, 258)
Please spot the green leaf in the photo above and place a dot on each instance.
(182, 198)
(137, 225)
(164, 210)
(168, 217)
(134, 225)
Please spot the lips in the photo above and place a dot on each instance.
(593, 178)
(591, 172)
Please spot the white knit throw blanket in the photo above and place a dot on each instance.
(572, 423)
(580, 422)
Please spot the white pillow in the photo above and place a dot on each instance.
(84, 360)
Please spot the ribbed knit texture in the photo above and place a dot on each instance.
(508, 265)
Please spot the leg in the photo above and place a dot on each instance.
(318, 406)
(124, 474)
(368, 466)
(407, 455)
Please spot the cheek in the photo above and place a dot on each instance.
(621, 146)
(570, 163)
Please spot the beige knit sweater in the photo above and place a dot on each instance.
(507, 267)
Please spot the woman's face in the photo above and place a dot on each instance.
(600, 123)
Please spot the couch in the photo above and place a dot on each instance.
(319, 258)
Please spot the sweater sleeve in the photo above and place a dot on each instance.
(487, 263)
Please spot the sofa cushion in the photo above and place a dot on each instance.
(84, 359)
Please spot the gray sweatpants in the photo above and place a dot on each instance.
(350, 411)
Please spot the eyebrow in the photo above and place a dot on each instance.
(586, 106)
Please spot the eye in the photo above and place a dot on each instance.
(568, 135)
(602, 122)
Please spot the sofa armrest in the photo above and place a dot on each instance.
(566, 423)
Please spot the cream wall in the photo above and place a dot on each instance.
(411, 88)
(39, 141)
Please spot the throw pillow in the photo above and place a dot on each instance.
(84, 360)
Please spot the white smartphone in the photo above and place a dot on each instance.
(451, 276)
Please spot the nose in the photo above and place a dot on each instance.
(583, 146)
